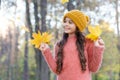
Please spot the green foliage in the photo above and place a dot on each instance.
(110, 66)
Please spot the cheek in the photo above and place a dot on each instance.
(63, 25)
(74, 27)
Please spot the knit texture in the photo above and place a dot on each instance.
(71, 64)
(79, 18)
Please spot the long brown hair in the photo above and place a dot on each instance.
(80, 47)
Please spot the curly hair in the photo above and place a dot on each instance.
(80, 42)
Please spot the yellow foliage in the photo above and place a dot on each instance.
(106, 27)
(64, 1)
(95, 32)
(39, 38)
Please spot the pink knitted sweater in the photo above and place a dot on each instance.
(71, 64)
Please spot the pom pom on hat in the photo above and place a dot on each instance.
(79, 18)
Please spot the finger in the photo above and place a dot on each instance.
(42, 47)
(42, 44)
(96, 43)
(101, 42)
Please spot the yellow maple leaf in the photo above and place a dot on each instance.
(64, 1)
(47, 37)
(39, 38)
(95, 32)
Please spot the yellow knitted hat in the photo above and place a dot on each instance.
(79, 18)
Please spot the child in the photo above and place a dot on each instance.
(75, 56)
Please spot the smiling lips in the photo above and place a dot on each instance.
(66, 28)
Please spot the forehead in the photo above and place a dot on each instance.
(67, 19)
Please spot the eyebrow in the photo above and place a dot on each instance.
(68, 20)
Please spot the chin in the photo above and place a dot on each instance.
(67, 32)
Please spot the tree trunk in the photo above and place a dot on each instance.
(117, 18)
(37, 52)
(35, 2)
(0, 4)
(28, 24)
(16, 54)
(13, 51)
(8, 51)
(117, 22)
(70, 6)
(56, 30)
(43, 12)
(45, 73)
(26, 74)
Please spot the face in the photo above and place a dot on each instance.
(69, 26)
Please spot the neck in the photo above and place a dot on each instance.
(71, 35)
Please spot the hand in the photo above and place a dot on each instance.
(43, 47)
(99, 43)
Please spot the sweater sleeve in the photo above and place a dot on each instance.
(50, 59)
(95, 54)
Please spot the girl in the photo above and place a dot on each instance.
(75, 56)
